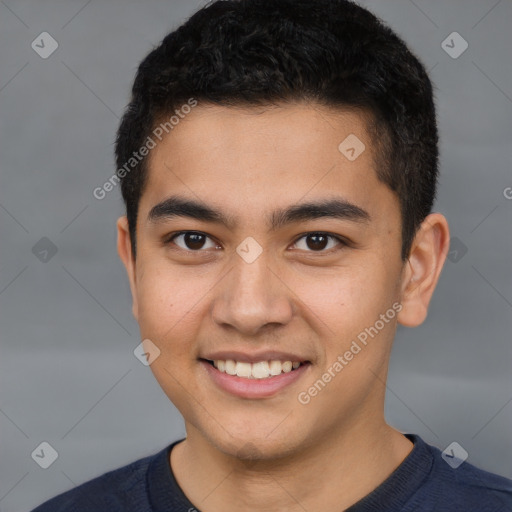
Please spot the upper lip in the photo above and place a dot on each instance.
(253, 357)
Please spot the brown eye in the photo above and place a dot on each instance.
(193, 241)
(317, 242)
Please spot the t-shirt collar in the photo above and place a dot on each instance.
(165, 493)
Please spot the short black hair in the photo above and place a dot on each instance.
(267, 52)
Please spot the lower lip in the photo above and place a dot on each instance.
(254, 388)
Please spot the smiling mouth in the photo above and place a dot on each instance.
(258, 370)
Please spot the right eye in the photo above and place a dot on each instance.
(192, 241)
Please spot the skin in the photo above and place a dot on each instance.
(268, 454)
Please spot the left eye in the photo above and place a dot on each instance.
(193, 241)
(317, 242)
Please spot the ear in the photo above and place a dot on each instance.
(124, 249)
(423, 268)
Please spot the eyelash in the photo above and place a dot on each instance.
(342, 242)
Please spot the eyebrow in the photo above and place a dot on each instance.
(176, 206)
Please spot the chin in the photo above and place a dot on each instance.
(257, 443)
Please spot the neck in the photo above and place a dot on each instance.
(342, 468)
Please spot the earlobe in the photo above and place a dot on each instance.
(423, 268)
(124, 250)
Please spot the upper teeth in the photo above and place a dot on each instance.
(259, 370)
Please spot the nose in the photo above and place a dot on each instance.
(252, 297)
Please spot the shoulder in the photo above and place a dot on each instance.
(465, 487)
(121, 489)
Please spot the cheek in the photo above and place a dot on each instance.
(170, 314)
(344, 303)
(168, 303)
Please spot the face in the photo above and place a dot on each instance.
(259, 240)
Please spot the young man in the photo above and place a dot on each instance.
(279, 162)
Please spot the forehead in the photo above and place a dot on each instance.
(253, 158)
(301, 128)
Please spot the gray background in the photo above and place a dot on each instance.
(68, 373)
